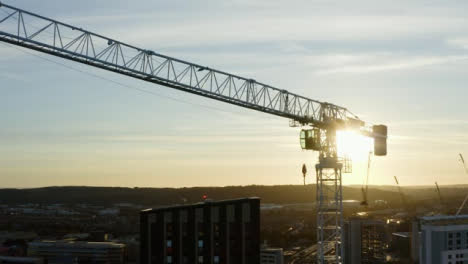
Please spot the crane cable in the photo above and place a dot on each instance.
(119, 83)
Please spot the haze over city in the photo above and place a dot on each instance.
(399, 63)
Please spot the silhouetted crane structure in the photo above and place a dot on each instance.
(39, 33)
(462, 160)
(439, 194)
(365, 188)
(402, 195)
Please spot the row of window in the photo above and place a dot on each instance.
(169, 259)
(454, 240)
(230, 211)
(456, 256)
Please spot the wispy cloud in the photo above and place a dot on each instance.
(460, 42)
(366, 64)
(12, 76)
(251, 28)
(430, 123)
(446, 140)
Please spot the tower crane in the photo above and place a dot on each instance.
(365, 188)
(320, 120)
(439, 194)
(402, 195)
(462, 160)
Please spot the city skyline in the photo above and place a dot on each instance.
(403, 66)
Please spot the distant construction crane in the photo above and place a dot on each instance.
(462, 160)
(439, 194)
(365, 188)
(28, 30)
(402, 195)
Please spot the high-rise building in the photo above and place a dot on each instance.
(364, 240)
(224, 232)
(72, 252)
(444, 239)
(415, 241)
(271, 256)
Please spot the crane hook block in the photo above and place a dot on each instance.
(380, 140)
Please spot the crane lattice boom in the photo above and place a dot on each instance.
(23, 28)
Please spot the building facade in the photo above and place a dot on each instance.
(444, 239)
(364, 241)
(271, 256)
(20, 260)
(76, 252)
(224, 232)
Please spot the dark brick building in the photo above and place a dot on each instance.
(224, 232)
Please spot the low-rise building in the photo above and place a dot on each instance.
(364, 240)
(271, 256)
(20, 260)
(71, 252)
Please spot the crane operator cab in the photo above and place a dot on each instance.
(310, 139)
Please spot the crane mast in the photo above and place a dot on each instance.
(32, 31)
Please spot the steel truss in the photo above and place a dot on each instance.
(329, 201)
(22, 28)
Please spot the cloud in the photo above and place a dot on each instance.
(430, 123)
(459, 42)
(388, 62)
(12, 76)
(431, 140)
(254, 29)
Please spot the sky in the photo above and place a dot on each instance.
(399, 63)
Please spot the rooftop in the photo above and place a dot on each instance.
(200, 204)
(402, 234)
(75, 244)
(23, 260)
(273, 250)
(444, 220)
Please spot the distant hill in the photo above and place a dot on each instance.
(281, 194)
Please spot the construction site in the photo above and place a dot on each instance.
(360, 223)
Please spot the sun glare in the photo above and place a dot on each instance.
(353, 145)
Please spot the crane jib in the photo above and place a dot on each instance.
(26, 29)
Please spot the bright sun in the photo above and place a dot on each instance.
(353, 145)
